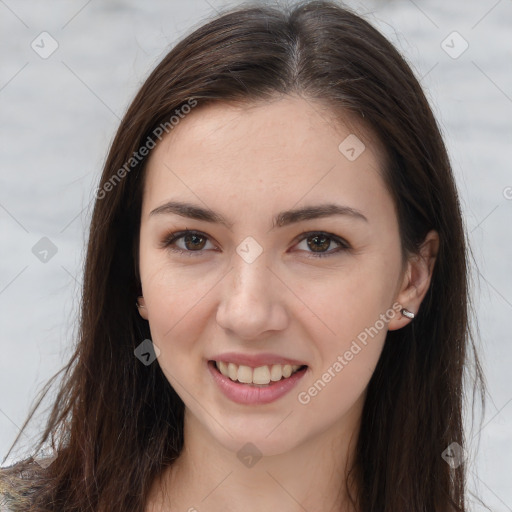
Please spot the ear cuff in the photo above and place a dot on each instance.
(407, 313)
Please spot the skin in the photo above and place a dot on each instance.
(248, 163)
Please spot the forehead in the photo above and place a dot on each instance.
(287, 150)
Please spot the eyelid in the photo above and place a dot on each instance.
(335, 238)
(172, 237)
(343, 244)
(177, 235)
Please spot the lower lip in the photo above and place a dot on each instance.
(248, 394)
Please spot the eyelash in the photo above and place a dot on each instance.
(177, 235)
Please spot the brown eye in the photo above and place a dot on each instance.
(194, 242)
(318, 243)
(187, 242)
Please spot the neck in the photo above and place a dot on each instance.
(207, 476)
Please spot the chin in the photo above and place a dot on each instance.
(259, 438)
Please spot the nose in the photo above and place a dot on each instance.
(252, 301)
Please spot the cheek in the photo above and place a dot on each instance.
(350, 301)
(175, 323)
(174, 304)
(350, 328)
(170, 291)
(345, 361)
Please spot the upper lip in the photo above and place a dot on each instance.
(255, 360)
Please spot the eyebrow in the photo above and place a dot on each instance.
(283, 218)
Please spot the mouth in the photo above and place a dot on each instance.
(261, 376)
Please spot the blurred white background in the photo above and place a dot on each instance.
(59, 112)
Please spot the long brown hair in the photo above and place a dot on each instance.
(114, 416)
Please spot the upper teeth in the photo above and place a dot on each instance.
(260, 375)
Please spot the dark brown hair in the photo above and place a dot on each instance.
(114, 415)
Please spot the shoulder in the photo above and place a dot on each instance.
(7, 489)
(18, 483)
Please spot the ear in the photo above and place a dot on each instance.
(141, 306)
(416, 280)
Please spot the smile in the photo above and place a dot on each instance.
(255, 386)
(262, 375)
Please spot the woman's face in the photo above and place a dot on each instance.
(271, 276)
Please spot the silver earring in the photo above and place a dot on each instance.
(138, 305)
(407, 313)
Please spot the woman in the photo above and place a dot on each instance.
(275, 305)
